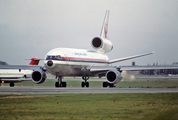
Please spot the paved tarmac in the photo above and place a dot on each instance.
(53, 90)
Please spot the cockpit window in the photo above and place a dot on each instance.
(52, 57)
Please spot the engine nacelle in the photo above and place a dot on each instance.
(38, 77)
(113, 76)
(101, 44)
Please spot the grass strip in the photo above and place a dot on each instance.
(134, 106)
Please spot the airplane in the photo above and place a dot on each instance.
(12, 75)
(85, 63)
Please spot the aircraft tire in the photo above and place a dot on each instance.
(64, 84)
(11, 84)
(105, 84)
(111, 85)
(87, 84)
(57, 84)
(83, 84)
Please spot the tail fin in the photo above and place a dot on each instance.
(104, 30)
(34, 61)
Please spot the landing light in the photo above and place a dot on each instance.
(50, 63)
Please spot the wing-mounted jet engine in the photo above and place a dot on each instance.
(113, 77)
(39, 76)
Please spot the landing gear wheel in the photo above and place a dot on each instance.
(87, 84)
(105, 84)
(57, 84)
(83, 84)
(63, 84)
(60, 83)
(111, 85)
(11, 84)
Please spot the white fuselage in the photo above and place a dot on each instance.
(73, 62)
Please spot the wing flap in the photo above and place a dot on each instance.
(101, 68)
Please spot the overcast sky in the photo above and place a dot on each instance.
(31, 28)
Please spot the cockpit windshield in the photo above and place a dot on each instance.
(52, 57)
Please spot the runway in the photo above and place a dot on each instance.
(52, 90)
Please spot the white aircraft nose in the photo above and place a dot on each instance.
(50, 63)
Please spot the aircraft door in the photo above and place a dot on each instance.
(66, 58)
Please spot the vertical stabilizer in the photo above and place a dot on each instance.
(104, 30)
(102, 44)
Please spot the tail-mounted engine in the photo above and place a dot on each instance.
(38, 77)
(113, 76)
(101, 44)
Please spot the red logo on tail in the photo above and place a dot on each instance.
(34, 61)
(105, 29)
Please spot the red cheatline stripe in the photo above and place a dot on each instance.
(89, 59)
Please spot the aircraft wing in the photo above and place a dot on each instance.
(138, 68)
(104, 69)
(127, 58)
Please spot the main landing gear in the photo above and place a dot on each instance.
(106, 84)
(11, 84)
(60, 83)
(85, 83)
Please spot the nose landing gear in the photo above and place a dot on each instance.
(85, 83)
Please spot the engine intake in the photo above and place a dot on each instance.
(96, 42)
(101, 44)
(38, 77)
(113, 76)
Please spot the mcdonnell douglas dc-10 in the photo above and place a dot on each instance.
(85, 63)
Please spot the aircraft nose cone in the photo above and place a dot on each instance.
(50, 63)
